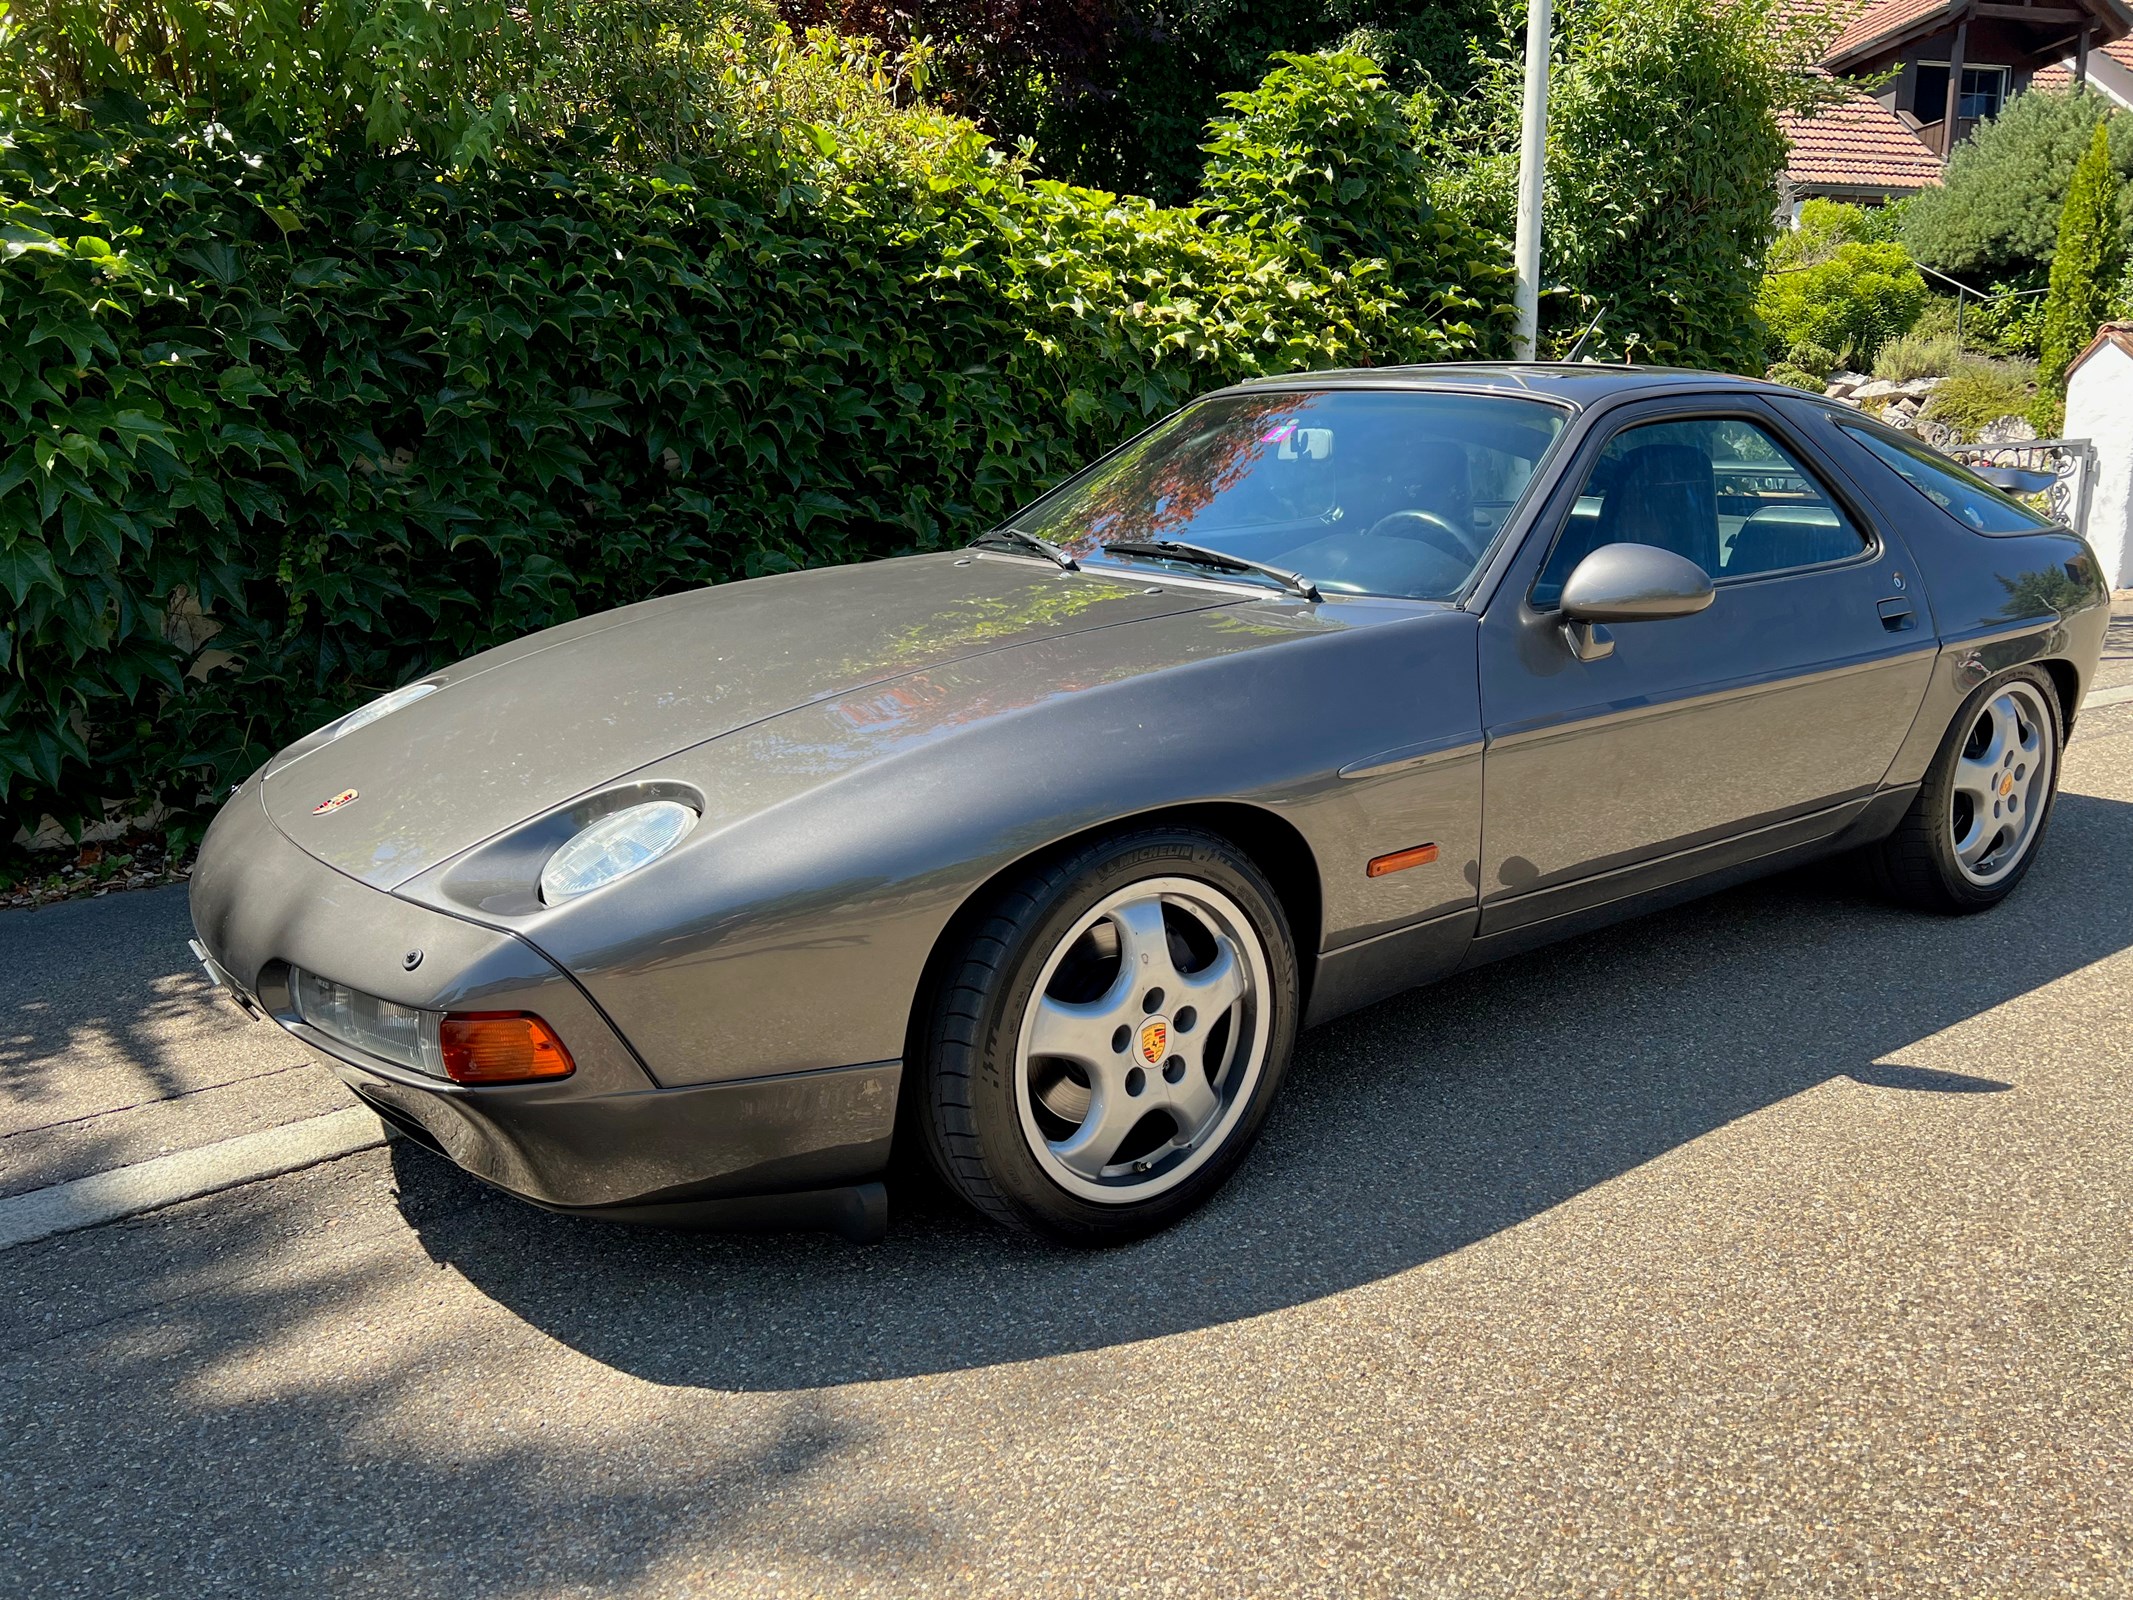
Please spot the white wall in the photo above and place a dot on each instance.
(2110, 77)
(2099, 408)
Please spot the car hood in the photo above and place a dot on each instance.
(532, 725)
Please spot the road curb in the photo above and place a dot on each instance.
(185, 1175)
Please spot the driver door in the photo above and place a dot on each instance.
(1764, 722)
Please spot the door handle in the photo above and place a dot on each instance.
(1895, 615)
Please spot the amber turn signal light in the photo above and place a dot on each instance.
(501, 1047)
(1420, 856)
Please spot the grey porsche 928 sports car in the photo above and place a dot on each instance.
(1040, 852)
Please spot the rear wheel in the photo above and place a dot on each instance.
(1106, 1044)
(1980, 815)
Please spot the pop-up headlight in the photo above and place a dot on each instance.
(616, 845)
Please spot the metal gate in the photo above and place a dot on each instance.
(2071, 463)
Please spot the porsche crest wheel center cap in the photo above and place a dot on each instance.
(1155, 1040)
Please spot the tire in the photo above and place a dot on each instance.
(1951, 854)
(1057, 1100)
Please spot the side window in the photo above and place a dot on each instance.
(1954, 488)
(1718, 490)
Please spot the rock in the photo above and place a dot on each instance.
(1906, 410)
(1858, 388)
(2006, 430)
(1937, 434)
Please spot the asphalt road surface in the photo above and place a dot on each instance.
(1778, 1245)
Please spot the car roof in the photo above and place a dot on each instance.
(1572, 383)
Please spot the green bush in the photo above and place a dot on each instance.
(1811, 357)
(1321, 145)
(1883, 224)
(1134, 116)
(1979, 393)
(450, 77)
(621, 83)
(1996, 214)
(1854, 300)
(1837, 280)
(1822, 225)
(290, 423)
(1322, 152)
(1806, 365)
(2085, 270)
(1797, 377)
(1664, 152)
(1918, 355)
(1938, 317)
(2009, 321)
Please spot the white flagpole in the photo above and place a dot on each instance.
(1532, 159)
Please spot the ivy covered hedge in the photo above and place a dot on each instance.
(284, 427)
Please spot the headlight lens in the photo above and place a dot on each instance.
(384, 705)
(399, 1034)
(613, 846)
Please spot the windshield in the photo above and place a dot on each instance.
(1361, 491)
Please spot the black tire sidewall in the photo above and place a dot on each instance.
(1020, 1180)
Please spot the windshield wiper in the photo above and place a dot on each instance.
(1019, 540)
(1200, 555)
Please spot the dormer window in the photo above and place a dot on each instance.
(1984, 92)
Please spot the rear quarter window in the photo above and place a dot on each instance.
(1973, 502)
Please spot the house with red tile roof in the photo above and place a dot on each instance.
(2110, 72)
(1914, 78)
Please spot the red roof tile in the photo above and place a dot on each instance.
(1816, 22)
(1857, 143)
(2111, 333)
(1888, 20)
(2060, 74)
(1881, 21)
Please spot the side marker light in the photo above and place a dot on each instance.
(1400, 860)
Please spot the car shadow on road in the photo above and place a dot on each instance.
(1405, 1133)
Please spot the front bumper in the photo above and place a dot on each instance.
(652, 1155)
(607, 1139)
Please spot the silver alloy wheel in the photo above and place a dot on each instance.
(1144, 1038)
(2003, 778)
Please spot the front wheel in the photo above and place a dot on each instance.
(1110, 1037)
(1979, 817)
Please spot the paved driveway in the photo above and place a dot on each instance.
(1778, 1245)
(113, 1049)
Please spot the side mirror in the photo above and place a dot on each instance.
(1628, 583)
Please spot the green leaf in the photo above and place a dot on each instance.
(24, 567)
